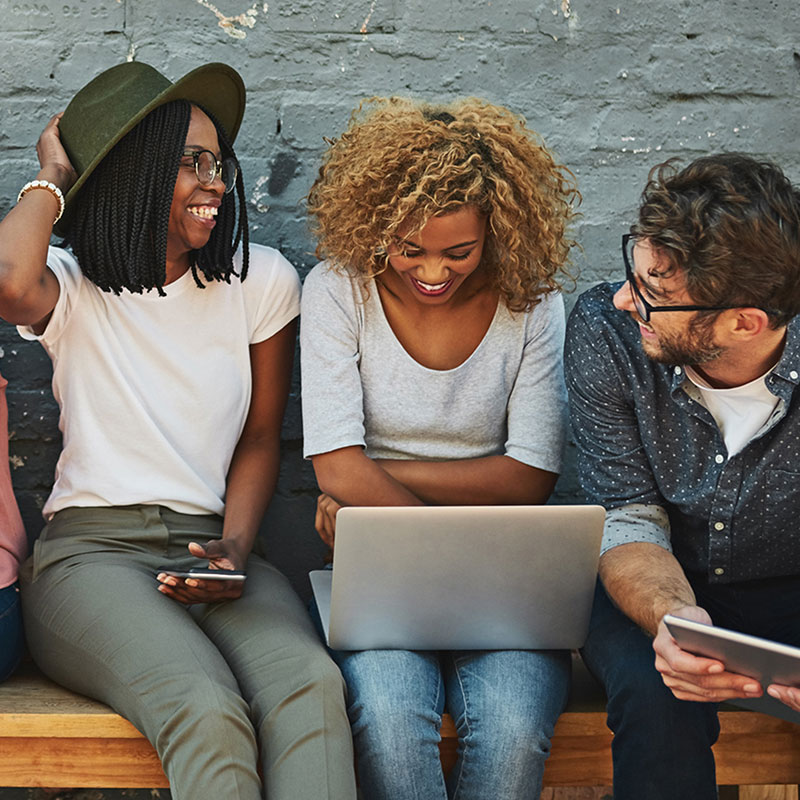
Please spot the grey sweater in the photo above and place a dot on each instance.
(360, 387)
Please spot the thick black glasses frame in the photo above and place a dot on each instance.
(219, 168)
(643, 308)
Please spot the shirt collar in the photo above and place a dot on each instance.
(788, 367)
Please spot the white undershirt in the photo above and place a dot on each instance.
(740, 411)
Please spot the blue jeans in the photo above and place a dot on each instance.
(504, 704)
(661, 746)
(10, 630)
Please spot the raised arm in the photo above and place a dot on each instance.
(28, 290)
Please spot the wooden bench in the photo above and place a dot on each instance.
(52, 737)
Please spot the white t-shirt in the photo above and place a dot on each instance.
(154, 391)
(361, 387)
(739, 411)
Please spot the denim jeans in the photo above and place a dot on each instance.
(10, 630)
(504, 704)
(662, 745)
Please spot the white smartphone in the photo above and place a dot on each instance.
(204, 573)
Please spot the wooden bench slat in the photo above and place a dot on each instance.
(80, 762)
(33, 706)
(67, 726)
(50, 736)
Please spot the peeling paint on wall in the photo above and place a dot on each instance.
(247, 19)
(363, 28)
(259, 193)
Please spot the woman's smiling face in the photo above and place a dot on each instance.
(433, 263)
(194, 208)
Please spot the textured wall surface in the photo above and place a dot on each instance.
(613, 87)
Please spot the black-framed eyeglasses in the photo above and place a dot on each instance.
(643, 308)
(207, 166)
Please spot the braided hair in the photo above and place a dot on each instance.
(119, 230)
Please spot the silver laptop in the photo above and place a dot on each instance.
(460, 577)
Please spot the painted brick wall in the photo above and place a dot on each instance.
(613, 87)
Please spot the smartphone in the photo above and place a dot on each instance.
(204, 573)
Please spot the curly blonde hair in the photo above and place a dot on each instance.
(401, 162)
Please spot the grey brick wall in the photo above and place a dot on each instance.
(613, 87)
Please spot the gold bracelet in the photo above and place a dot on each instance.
(51, 187)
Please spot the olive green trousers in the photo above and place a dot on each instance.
(216, 688)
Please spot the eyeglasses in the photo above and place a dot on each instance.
(207, 167)
(643, 308)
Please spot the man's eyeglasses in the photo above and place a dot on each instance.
(207, 167)
(643, 308)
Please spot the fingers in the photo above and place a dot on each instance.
(51, 152)
(696, 678)
(322, 527)
(789, 695)
(220, 554)
(671, 658)
(325, 518)
(197, 549)
(711, 688)
(195, 590)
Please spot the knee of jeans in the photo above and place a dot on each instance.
(509, 731)
(390, 720)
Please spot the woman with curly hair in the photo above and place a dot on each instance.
(431, 364)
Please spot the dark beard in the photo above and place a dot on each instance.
(694, 347)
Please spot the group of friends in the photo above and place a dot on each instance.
(435, 365)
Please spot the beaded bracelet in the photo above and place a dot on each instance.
(51, 187)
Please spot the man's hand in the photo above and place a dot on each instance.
(221, 554)
(325, 520)
(789, 695)
(697, 678)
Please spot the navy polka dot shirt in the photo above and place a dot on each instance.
(653, 455)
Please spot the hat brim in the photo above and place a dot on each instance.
(216, 87)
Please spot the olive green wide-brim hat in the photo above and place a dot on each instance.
(114, 102)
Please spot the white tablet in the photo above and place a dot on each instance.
(761, 659)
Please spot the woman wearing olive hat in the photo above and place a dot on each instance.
(171, 339)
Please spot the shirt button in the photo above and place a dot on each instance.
(793, 375)
(678, 370)
(718, 526)
(719, 571)
(719, 458)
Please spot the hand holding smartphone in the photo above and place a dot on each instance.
(204, 573)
